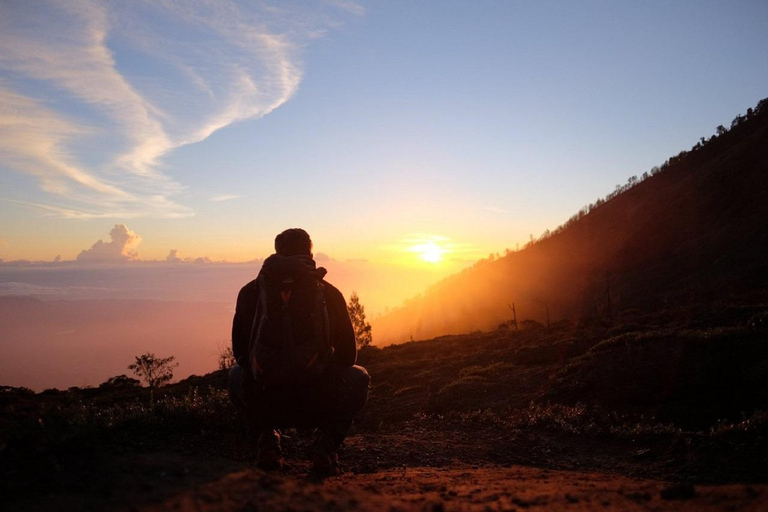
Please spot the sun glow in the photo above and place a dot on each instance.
(432, 253)
(429, 252)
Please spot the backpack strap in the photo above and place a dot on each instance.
(326, 318)
(258, 320)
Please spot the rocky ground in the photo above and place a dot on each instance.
(420, 465)
(460, 488)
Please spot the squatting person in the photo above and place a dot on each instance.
(295, 349)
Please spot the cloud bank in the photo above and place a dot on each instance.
(122, 247)
(94, 93)
(114, 270)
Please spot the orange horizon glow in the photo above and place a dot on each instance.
(385, 268)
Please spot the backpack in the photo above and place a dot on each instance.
(291, 342)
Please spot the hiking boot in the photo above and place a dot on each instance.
(269, 455)
(325, 460)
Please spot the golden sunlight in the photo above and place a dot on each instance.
(433, 253)
(429, 252)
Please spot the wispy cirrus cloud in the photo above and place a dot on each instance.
(348, 5)
(33, 138)
(65, 46)
(223, 197)
(95, 94)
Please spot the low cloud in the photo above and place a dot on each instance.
(17, 289)
(173, 257)
(495, 209)
(121, 247)
(112, 270)
(321, 257)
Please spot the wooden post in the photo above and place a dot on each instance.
(547, 307)
(608, 295)
(514, 314)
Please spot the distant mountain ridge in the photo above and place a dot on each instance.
(692, 230)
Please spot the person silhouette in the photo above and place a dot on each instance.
(296, 356)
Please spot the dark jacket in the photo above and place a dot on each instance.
(341, 332)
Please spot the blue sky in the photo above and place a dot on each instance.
(208, 127)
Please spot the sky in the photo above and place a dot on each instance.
(409, 138)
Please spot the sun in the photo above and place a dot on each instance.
(429, 252)
(426, 250)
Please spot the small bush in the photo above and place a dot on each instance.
(531, 325)
(582, 420)
(491, 372)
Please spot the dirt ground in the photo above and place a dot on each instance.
(460, 488)
(413, 466)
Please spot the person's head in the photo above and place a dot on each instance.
(293, 242)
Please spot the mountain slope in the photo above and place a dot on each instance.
(691, 232)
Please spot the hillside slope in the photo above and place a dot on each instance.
(690, 232)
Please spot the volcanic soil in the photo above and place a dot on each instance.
(421, 465)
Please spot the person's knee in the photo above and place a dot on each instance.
(356, 380)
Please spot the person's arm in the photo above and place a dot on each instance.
(243, 322)
(342, 332)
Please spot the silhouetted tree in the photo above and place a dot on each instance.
(226, 358)
(156, 371)
(363, 333)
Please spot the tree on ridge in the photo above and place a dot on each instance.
(156, 371)
(362, 328)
